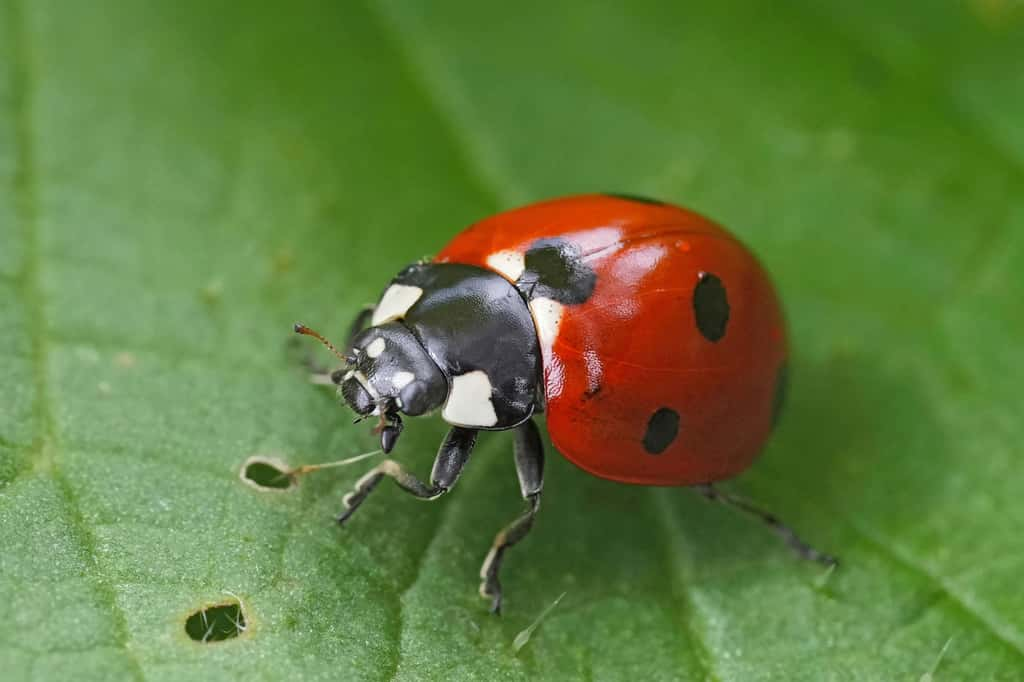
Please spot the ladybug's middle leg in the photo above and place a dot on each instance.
(451, 458)
(529, 453)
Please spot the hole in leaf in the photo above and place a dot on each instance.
(216, 623)
(267, 473)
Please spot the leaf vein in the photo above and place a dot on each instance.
(1013, 640)
(681, 589)
(26, 202)
(881, 548)
(479, 157)
(443, 93)
(444, 518)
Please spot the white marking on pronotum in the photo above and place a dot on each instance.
(395, 302)
(547, 317)
(469, 402)
(402, 379)
(375, 347)
(509, 263)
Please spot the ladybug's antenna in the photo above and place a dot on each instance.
(303, 329)
(307, 468)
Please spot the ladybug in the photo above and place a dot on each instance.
(650, 339)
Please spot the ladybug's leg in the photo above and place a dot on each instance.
(451, 457)
(360, 320)
(782, 530)
(529, 453)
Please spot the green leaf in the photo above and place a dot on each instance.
(179, 182)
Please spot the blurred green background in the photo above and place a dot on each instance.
(179, 182)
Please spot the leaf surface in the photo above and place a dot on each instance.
(180, 182)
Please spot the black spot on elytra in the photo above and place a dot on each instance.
(555, 269)
(634, 197)
(711, 307)
(781, 388)
(662, 429)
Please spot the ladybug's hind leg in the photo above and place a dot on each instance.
(451, 458)
(789, 536)
(529, 453)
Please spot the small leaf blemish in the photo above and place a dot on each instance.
(523, 637)
(930, 675)
(268, 474)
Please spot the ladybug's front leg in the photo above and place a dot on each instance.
(451, 458)
(529, 453)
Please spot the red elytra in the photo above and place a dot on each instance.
(635, 348)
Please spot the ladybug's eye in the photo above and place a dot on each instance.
(356, 396)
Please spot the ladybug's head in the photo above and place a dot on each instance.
(388, 372)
